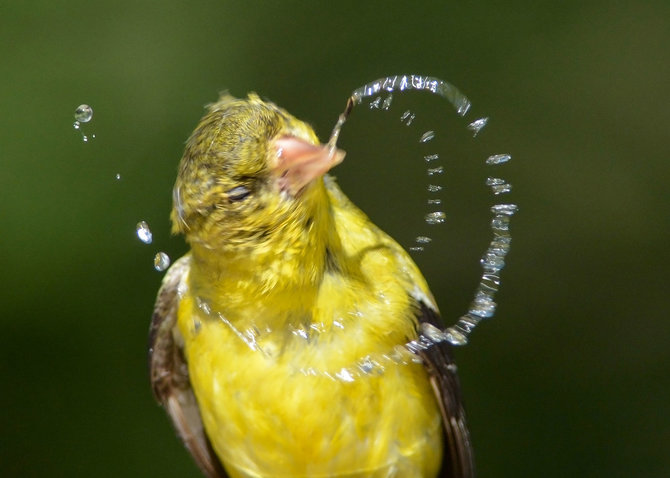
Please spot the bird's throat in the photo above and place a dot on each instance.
(273, 285)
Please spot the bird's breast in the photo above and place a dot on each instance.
(311, 402)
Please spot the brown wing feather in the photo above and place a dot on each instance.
(458, 461)
(169, 373)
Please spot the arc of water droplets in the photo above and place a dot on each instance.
(493, 260)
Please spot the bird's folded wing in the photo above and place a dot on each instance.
(458, 461)
(169, 373)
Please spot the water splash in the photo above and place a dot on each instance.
(437, 217)
(374, 104)
(421, 241)
(505, 209)
(427, 136)
(435, 171)
(143, 232)
(498, 159)
(161, 261)
(477, 125)
(493, 259)
(407, 117)
(498, 185)
(387, 102)
(431, 157)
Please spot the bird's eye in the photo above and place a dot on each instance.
(238, 193)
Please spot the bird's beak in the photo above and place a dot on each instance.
(298, 162)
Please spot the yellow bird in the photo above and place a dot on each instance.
(276, 344)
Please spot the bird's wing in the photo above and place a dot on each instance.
(169, 373)
(458, 461)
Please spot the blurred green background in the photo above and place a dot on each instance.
(572, 376)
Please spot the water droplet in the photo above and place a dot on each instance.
(456, 337)
(498, 185)
(434, 202)
(143, 232)
(505, 209)
(400, 355)
(374, 104)
(84, 138)
(431, 157)
(387, 102)
(432, 333)
(433, 188)
(500, 245)
(415, 346)
(204, 306)
(407, 117)
(498, 159)
(487, 287)
(118, 176)
(492, 262)
(423, 239)
(458, 334)
(435, 171)
(500, 223)
(83, 113)
(368, 365)
(418, 82)
(491, 280)
(427, 136)
(76, 125)
(161, 261)
(416, 248)
(345, 375)
(436, 217)
(483, 306)
(477, 125)
(300, 332)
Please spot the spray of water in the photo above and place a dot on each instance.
(493, 260)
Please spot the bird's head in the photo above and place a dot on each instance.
(250, 171)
